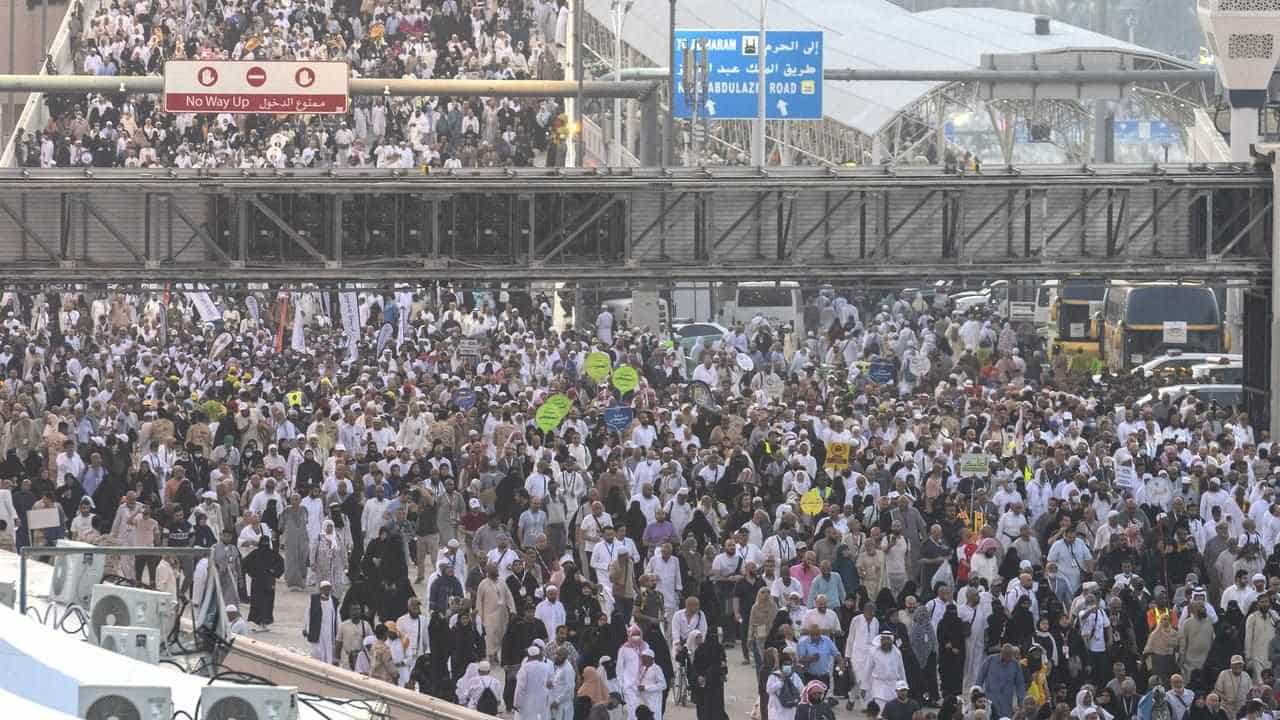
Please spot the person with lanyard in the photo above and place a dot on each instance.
(503, 556)
(781, 546)
(604, 553)
(687, 621)
(413, 632)
(1181, 698)
(351, 635)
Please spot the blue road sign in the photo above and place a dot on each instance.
(881, 372)
(1144, 132)
(618, 418)
(793, 74)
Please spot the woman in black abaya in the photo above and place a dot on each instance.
(263, 566)
(951, 651)
(466, 645)
(707, 672)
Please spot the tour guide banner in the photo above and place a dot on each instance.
(552, 412)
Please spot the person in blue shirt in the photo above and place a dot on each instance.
(816, 652)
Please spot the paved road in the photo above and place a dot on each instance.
(291, 606)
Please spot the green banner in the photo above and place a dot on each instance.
(597, 366)
(625, 378)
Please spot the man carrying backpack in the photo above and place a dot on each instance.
(784, 688)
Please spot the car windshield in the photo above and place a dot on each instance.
(752, 297)
(1153, 305)
(1082, 293)
(698, 330)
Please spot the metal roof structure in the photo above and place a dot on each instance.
(879, 34)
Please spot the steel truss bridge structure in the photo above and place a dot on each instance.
(643, 225)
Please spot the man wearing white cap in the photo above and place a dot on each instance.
(474, 689)
(321, 626)
(533, 684)
(884, 670)
(651, 683)
(236, 625)
(550, 611)
(212, 513)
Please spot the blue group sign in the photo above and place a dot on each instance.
(793, 74)
(1144, 132)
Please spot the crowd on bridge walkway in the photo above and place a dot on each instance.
(482, 40)
(494, 509)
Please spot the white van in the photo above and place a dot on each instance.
(779, 302)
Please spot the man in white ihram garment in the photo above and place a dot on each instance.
(604, 326)
(652, 683)
(321, 627)
(533, 681)
(884, 670)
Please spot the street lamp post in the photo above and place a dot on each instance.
(620, 10)
(757, 147)
(669, 131)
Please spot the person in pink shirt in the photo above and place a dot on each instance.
(805, 571)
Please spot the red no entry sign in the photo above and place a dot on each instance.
(256, 76)
(261, 86)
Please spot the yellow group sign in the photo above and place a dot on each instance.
(838, 456)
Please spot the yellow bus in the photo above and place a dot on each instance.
(1071, 318)
(1141, 322)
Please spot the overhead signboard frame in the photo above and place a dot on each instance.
(253, 86)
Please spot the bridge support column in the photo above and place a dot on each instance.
(1273, 397)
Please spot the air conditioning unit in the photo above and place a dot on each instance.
(248, 702)
(139, 643)
(8, 596)
(124, 702)
(75, 575)
(125, 606)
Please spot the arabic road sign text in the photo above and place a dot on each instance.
(618, 418)
(237, 87)
(793, 74)
(881, 372)
(1143, 132)
(974, 464)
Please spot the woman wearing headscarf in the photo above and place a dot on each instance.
(922, 665)
(952, 651)
(439, 634)
(701, 530)
(811, 706)
(759, 622)
(593, 691)
(263, 566)
(1021, 625)
(1037, 671)
(692, 569)
(636, 523)
(465, 643)
(886, 605)
(707, 673)
(976, 649)
(769, 663)
(1085, 706)
(329, 557)
(1162, 644)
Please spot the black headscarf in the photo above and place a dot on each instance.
(699, 528)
